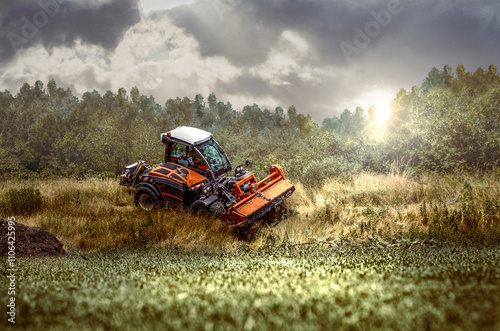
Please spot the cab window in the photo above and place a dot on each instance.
(187, 157)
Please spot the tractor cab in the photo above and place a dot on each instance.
(195, 149)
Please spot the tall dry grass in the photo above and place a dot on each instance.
(94, 213)
(460, 207)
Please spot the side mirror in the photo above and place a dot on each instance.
(247, 162)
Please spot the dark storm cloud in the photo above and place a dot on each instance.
(244, 31)
(397, 51)
(226, 30)
(24, 23)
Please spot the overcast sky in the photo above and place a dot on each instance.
(320, 55)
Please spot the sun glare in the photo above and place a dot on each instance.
(383, 112)
(381, 100)
(378, 103)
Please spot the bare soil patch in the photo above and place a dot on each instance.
(30, 241)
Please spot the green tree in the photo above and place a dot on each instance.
(253, 117)
(437, 78)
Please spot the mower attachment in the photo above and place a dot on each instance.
(257, 198)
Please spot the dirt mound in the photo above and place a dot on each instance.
(30, 241)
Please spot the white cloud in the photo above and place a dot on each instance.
(293, 38)
(161, 59)
(154, 55)
(287, 58)
(68, 64)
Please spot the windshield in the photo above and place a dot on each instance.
(215, 156)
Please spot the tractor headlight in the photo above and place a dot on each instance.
(207, 190)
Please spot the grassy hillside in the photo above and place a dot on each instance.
(386, 209)
(345, 288)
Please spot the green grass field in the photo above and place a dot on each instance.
(350, 286)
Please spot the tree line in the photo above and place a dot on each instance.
(450, 122)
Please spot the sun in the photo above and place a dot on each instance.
(383, 113)
(381, 101)
(379, 114)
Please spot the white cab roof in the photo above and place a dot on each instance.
(190, 135)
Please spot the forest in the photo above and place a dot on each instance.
(450, 123)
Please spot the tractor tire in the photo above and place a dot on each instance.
(216, 208)
(197, 211)
(146, 199)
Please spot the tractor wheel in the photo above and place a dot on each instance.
(202, 212)
(146, 199)
(197, 211)
(216, 208)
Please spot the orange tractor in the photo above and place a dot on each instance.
(196, 175)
